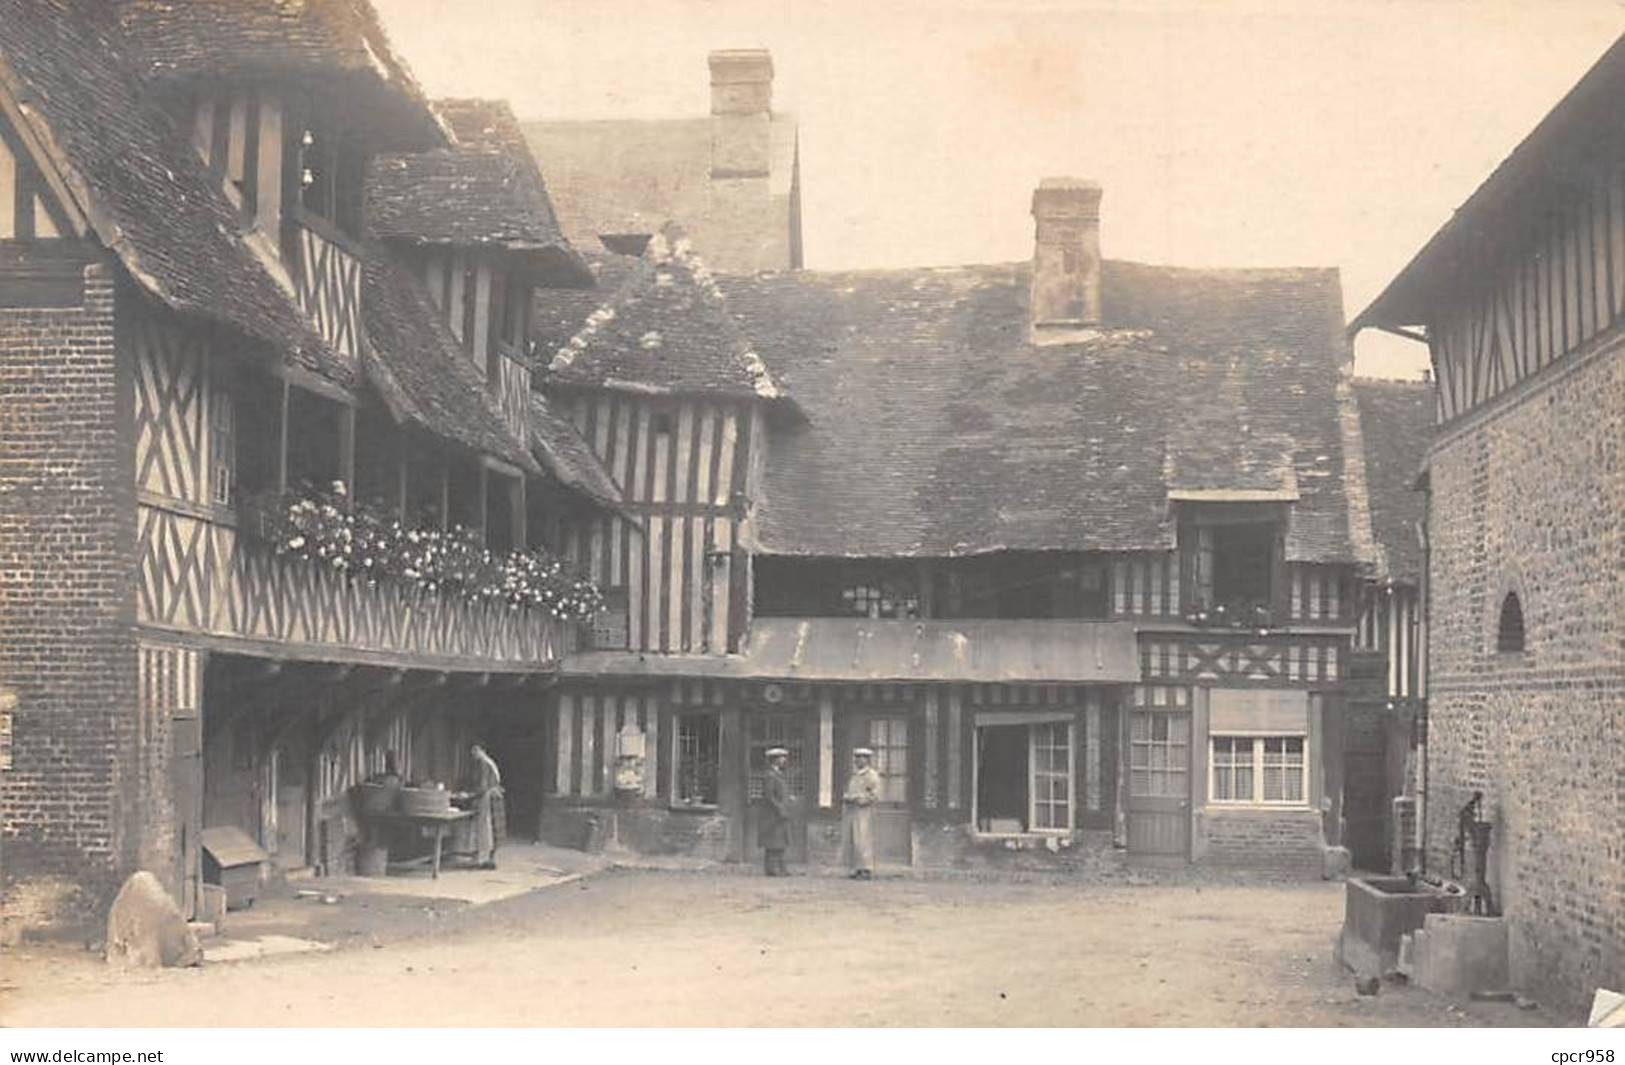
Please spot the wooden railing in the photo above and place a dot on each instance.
(327, 274)
(204, 578)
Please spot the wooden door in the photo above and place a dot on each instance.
(186, 787)
(288, 778)
(888, 735)
(787, 729)
(1159, 794)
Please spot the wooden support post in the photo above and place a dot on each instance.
(402, 474)
(1120, 800)
(347, 449)
(282, 438)
(445, 492)
(826, 749)
(482, 509)
(518, 513)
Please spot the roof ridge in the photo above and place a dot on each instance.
(1237, 272)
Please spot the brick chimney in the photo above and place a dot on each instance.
(741, 81)
(1065, 300)
(741, 110)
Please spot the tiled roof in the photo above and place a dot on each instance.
(1396, 422)
(147, 195)
(340, 41)
(557, 314)
(934, 428)
(665, 329)
(485, 190)
(421, 369)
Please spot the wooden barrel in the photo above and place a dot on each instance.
(374, 799)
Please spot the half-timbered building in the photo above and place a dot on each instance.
(204, 316)
(1520, 299)
(1074, 545)
(1385, 733)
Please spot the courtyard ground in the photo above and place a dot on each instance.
(640, 947)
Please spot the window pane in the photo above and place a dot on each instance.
(696, 781)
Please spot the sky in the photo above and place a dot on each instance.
(1225, 132)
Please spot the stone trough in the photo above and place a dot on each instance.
(1378, 912)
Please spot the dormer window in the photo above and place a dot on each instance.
(1233, 557)
(1239, 560)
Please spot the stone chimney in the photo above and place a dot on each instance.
(1065, 301)
(741, 112)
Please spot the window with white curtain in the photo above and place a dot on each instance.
(1271, 770)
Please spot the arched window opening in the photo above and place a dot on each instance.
(1509, 633)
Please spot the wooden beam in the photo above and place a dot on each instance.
(311, 382)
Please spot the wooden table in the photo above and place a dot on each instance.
(440, 822)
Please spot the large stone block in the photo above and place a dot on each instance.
(145, 929)
(1457, 954)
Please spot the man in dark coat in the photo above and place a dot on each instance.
(774, 830)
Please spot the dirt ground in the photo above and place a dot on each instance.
(670, 948)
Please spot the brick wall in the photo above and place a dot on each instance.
(1529, 496)
(1285, 842)
(66, 643)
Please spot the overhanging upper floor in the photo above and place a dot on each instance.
(862, 649)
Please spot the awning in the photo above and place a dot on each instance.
(862, 650)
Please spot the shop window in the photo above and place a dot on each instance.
(697, 747)
(1509, 638)
(1024, 777)
(888, 737)
(1259, 769)
(767, 731)
(1052, 776)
